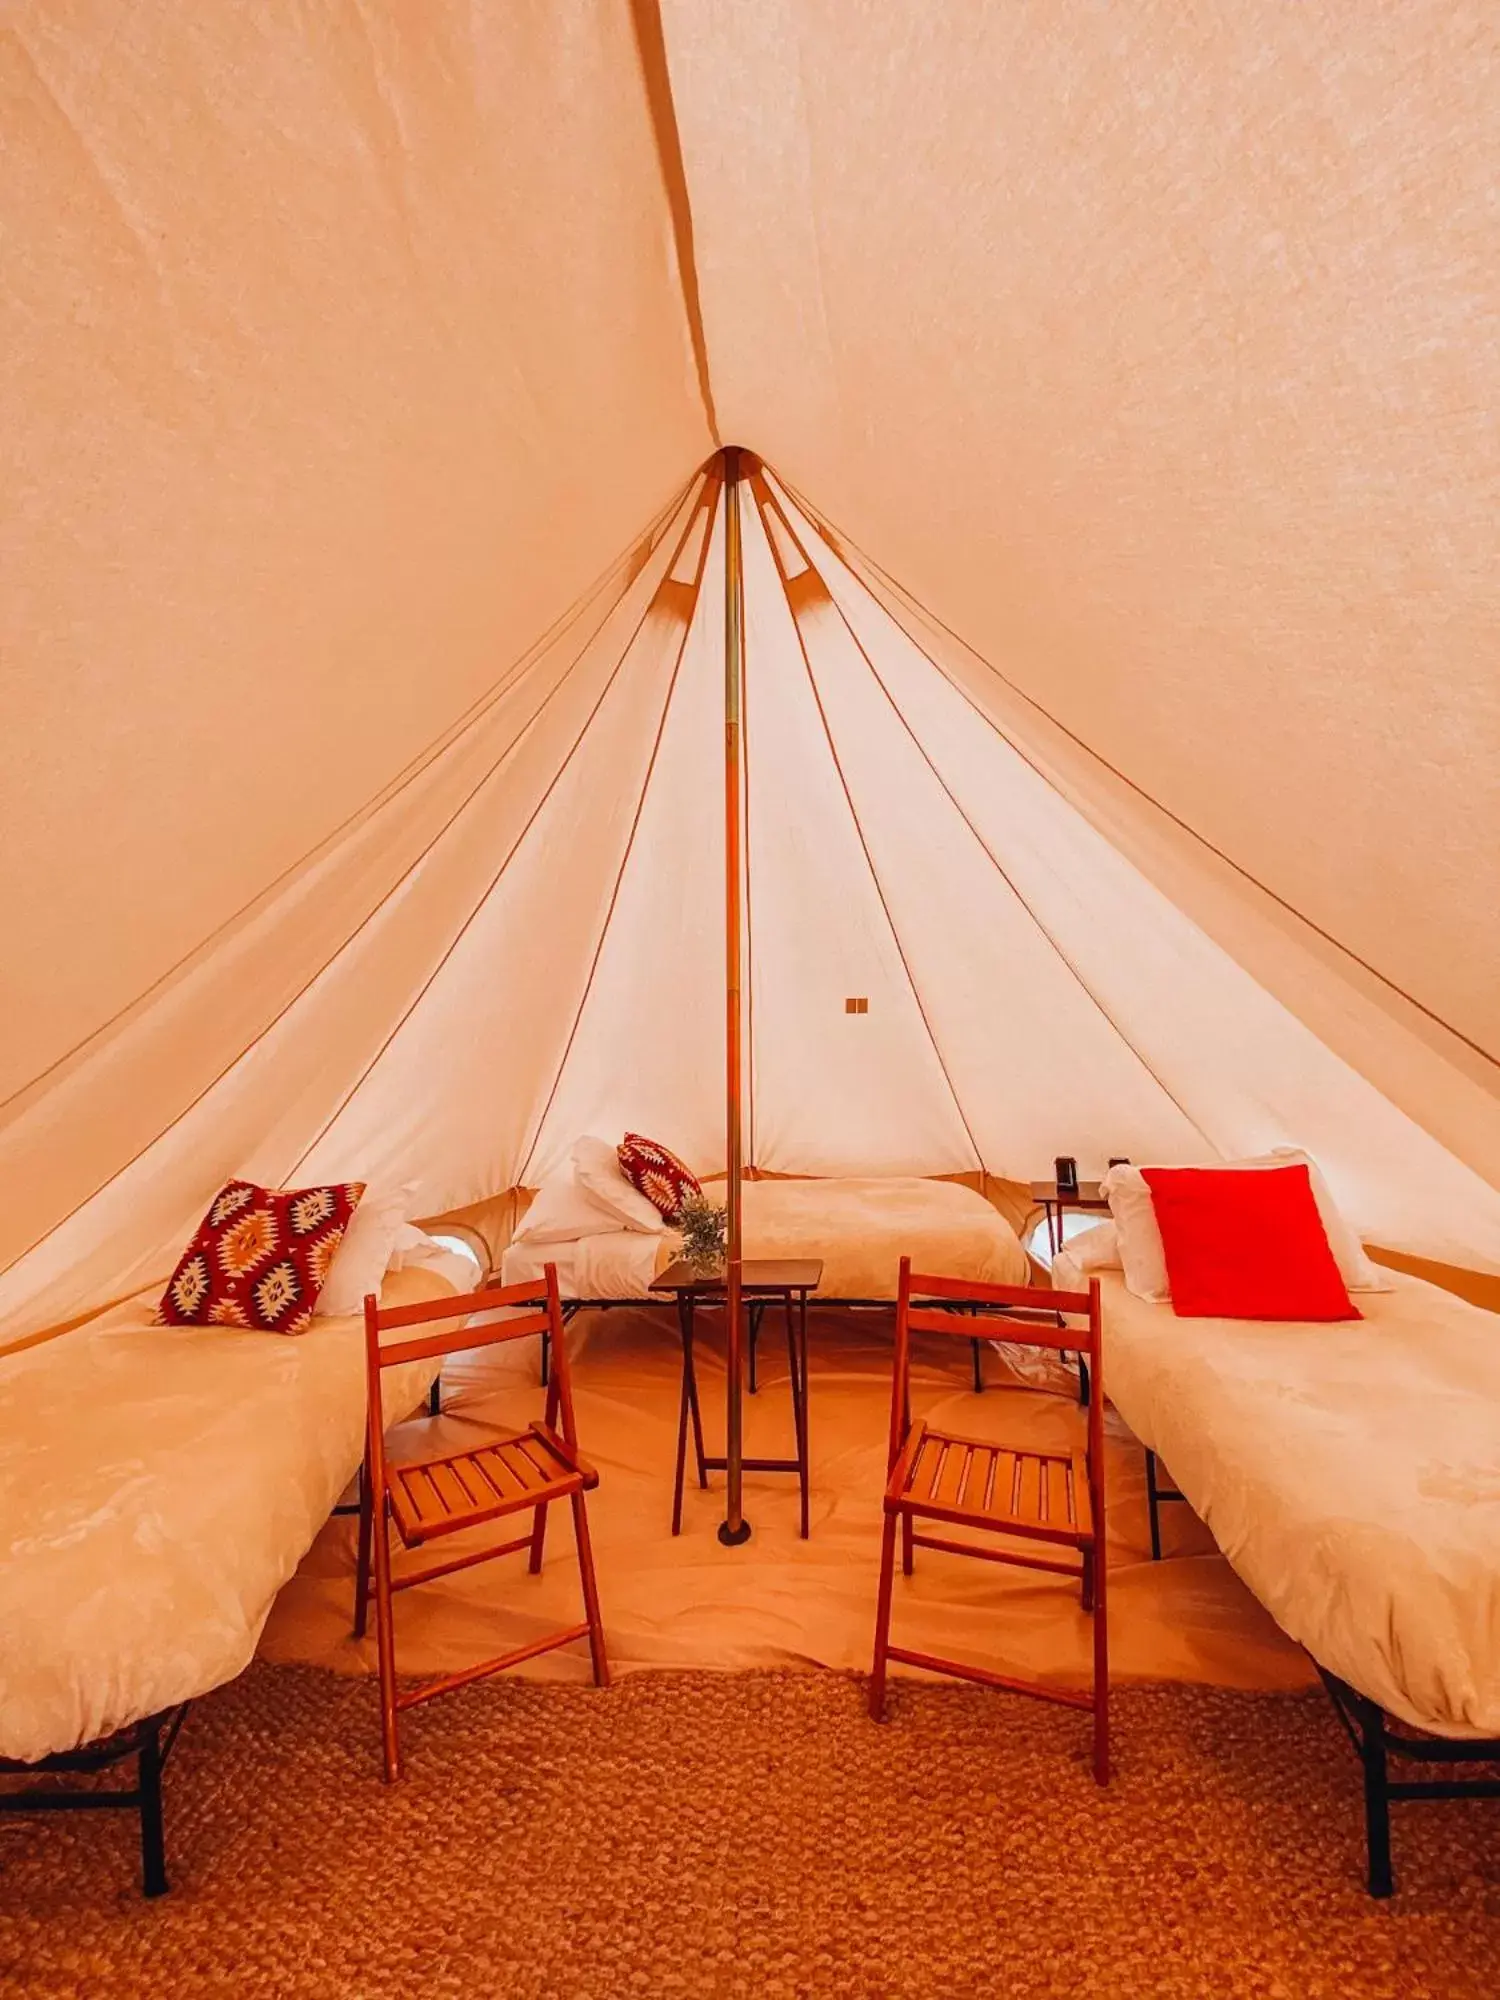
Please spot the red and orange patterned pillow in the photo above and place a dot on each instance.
(657, 1174)
(260, 1257)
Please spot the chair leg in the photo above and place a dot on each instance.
(385, 1634)
(1101, 1665)
(538, 1537)
(1152, 1506)
(883, 1615)
(908, 1547)
(590, 1590)
(978, 1368)
(362, 1559)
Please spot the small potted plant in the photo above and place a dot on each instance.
(701, 1222)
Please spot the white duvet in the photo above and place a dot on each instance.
(860, 1229)
(158, 1485)
(1351, 1474)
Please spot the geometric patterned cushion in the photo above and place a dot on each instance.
(260, 1257)
(657, 1174)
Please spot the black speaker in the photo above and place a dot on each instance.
(1066, 1168)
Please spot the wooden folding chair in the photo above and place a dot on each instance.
(423, 1501)
(1052, 1498)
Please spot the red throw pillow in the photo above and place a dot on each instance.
(657, 1174)
(260, 1257)
(1246, 1245)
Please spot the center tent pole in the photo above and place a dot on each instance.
(734, 1528)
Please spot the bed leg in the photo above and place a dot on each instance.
(153, 1837)
(1151, 1506)
(1377, 1799)
(757, 1307)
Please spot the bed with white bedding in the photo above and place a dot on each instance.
(861, 1229)
(158, 1485)
(1350, 1472)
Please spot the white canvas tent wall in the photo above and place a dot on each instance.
(1129, 739)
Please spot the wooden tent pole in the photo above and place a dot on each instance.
(734, 1528)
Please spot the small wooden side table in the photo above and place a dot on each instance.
(1056, 1201)
(761, 1282)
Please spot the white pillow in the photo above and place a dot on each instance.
(1097, 1249)
(564, 1210)
(415, 1249)
(1137, 1238)
(597, 1165)
(1145, 1262)
(362, 1258)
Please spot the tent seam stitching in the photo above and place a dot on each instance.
(635, 822)
(916, 606)
(994, 860)
(875, 876)
(369, 917)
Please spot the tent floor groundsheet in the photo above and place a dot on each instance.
(781, 1601)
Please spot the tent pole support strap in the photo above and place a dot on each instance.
(734, 1528)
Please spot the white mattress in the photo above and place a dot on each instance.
(1351, 1474)
(158, 1485)
(860, 1228)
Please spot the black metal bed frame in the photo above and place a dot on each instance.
(150, 1743)
(1155, 1494)
(1376, 1741)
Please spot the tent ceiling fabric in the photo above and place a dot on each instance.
(1121, 712)
(1153, 348)
(336, 365)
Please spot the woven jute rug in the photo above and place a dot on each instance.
(752, 1835)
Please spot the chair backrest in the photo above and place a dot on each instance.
(544, 1317)
(1028, 1316)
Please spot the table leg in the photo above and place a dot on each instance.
(796, 1329)
(685, 1328)
(696, 1408)
(757, 1307)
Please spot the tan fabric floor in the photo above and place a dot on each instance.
(779, 1600)
(753, 1837)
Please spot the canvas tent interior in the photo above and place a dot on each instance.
(1140, 768)
(1115, 389)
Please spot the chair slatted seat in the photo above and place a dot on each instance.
(442, 1496)
(1011, 1492)
(1044, 1494)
